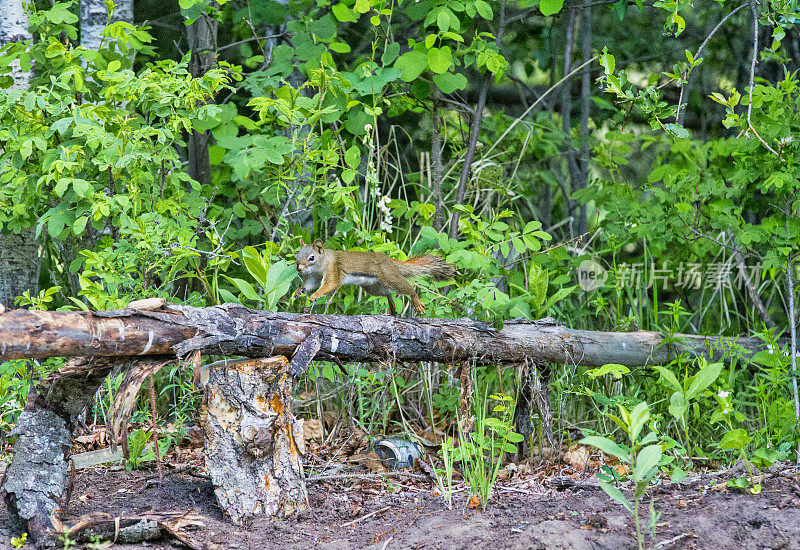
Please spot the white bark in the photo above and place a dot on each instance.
(19, 252)
(94, 18)
(14, 28)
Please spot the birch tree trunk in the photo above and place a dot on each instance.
(253, 442)
(94, 18)
(19, 252)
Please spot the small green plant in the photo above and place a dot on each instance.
(684, 393)
(98, 544)
(19, 542)
(66, 541)
(641, 456)
(738, 439)
(446, 485)
(139, 453)
(481, 450)
(39, 301)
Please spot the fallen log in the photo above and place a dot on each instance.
(33, 485)
(231, 329)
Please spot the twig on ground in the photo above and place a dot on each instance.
(349, 523)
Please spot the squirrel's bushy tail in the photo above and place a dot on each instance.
(427, 266)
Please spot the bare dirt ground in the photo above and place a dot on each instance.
(400, 512)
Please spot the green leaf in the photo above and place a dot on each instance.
(254, 263)
(352, 157)
(739, 483)
(639, 416)
(607, 446)
(391, 53)
(677, 405)
(339, 47)
(703, 379)
(440, 59)
(228, 297)
(81, 187)
(485, 10)
(79, 225)
(560, 294)
(735, 439)
(246, 289)
(443, 18)
(615, 370)
(411, 65)
(621, 8)
(616, 494)
(550, 7)
(669, 377)
(344, 14)
(645, 460)
(449, 82)
(279, 280)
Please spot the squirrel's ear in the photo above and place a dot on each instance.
(302, 242)
(318, 245)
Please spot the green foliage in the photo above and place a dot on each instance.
(19, 542)
(480, 451)
(273, 279)
(642, 455)
(446, 485)
(16, 380)
(139, 450)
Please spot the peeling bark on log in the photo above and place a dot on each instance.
(34, 481)
(253, 443)
(231, 329)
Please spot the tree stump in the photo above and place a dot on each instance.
(253, 443)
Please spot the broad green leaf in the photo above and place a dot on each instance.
(639, 416)
(390, 54)
(440, 59)
(703, 379)
(79, 225)
(449, 82)
(735, 439)
(615, 370)
(344, 14)
(645, 460)
(607, 446)
(254, 263)
(616, 494)
(246, 289)
(485, 10)
(560, 294)
(678, 405)
(551, 7)
(669, 377)
(411, 65)
(339, 47)
(352, 157)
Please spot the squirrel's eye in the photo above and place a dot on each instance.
(311, 258)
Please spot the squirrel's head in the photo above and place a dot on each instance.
(309, 255)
